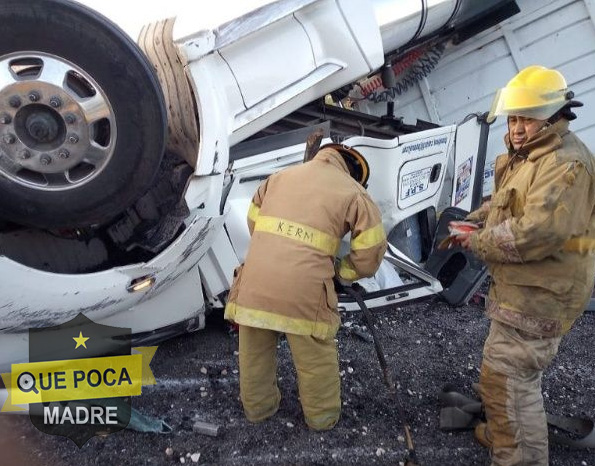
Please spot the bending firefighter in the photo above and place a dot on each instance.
(538, 240)
(297, 219)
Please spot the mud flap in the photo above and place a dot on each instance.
(581, 431)
(460, 412)
(458, 270)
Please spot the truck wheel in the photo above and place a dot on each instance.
(82, 119)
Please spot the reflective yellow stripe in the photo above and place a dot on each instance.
(264, 319)
(369, 238)
(253, 212)
(299, 232)
(346, 272)
(582, 245)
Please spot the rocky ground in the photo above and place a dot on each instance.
(427, 345)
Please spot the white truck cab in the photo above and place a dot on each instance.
(126, 170)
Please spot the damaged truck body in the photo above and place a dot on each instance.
(126, 170)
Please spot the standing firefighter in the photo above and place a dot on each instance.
(538, 241)
(297, 219)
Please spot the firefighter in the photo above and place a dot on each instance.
(297, 219)
(537, 239)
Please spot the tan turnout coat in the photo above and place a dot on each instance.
(297, 219)
(539, 234)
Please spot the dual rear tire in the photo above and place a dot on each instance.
(82, 116)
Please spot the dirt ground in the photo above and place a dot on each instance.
(427, 344)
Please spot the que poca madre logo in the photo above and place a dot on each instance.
(80, 378)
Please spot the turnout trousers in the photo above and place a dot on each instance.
(317, 366)
(510, 388)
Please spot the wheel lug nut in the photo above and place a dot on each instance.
(64, 154)
(55, 101)
(73, 139)
(70, 118)
(14, 101)
(34, 96)
(5, 119)
(9, 138)
(25, 154)
(45, 159)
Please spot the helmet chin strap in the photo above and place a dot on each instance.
(545, 126)
(516, 152)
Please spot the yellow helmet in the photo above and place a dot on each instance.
(535, 92)
(356, 163)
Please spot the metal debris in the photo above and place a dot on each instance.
(206, 428)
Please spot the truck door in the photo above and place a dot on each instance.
(435, 172)
(407, 181)
(410, 176)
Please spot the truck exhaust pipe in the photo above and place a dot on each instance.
(408, 22)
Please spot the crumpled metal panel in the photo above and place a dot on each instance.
(31, 298)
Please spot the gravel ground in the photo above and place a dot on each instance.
(427, 345)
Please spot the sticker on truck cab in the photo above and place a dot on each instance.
(415, 182)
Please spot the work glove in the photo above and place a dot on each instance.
(461, 227)
(463, 240)
(459, 234)
(341, 284)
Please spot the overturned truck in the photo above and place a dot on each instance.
(126, 170)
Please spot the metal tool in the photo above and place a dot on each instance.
(411, 459)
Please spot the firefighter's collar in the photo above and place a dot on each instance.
(333, 157)
(545, 141)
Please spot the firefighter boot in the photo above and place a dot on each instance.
(482, 435)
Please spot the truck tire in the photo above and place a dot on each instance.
(82, 118)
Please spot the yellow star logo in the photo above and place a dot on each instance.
(80, 340)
